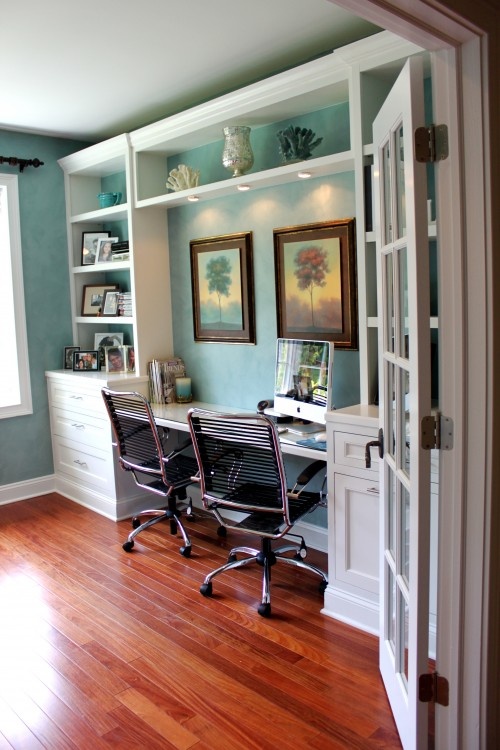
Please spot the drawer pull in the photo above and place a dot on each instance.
(373, 490)
(83, 464)
(78, 426)
(77, 398)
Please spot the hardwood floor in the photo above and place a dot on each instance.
(106, 649)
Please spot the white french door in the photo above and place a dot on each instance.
(405, 397)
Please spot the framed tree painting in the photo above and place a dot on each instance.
(315, 267)
(222, 285)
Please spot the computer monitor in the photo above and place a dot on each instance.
(303, 379)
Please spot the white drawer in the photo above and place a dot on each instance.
(77, 399)
(349, 450)
(85, 464)
(82, 428)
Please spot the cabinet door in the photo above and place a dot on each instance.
(356, 517)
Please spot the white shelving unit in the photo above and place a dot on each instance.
(107, 166)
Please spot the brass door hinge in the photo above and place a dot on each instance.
(433, 688)
(431, 144)
(436, 431)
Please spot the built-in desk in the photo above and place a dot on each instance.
(174, 416)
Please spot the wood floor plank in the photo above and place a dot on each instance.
(109, 649)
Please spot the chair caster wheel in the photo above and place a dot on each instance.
(206, 589)
(135, 523)
(185, 551)
(128, 546)
(264, 610)
(222, 531)
(322, 587)
(231, 559)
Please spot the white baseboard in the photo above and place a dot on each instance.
(12, 493)
(353, 610)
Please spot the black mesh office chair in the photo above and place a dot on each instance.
(241, 470)
(140, 444)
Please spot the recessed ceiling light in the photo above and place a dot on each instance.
(304, 175)
(243, 187)
(193, 198)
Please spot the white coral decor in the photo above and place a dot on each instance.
(182, 178)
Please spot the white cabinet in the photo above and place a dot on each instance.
(353, 518)
(85, 466)
(353, 522)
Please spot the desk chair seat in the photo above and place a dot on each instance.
(243, 483)
(140, 445)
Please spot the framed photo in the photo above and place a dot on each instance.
(110, 303)
(102, 340)
(92, 298)
(130, 359)
(104, 245)
(89, 246)
(222, 285)
(315, 267)
(116, 358)
(68, 356)
(83, 361)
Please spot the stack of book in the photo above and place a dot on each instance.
(120, 251)
(125, 304)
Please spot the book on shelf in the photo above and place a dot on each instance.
(117, 257)
(125, 307)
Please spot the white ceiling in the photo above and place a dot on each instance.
(98, 68)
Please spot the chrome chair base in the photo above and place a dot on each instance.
(171, 514)
(266, 557)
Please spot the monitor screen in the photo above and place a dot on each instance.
(303, 380)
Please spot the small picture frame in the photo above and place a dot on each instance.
(68, 356)
(102, 340)
(116, 358)
(105, 249)
(110, 304)
(130, 359)
(92, 298)
(86, 360)
(89, 246)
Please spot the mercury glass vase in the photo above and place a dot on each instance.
(237, 154)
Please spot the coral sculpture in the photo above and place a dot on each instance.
(182, 178)
(296, 144)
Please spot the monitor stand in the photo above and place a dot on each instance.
(305, 429)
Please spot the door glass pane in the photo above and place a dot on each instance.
(391, 609)
(391, 510)
(405, 432)
(404, 332)
(389, 301)
(389, 441)
(406, 629)
(400, 182)
(386, 193)
(405, 533)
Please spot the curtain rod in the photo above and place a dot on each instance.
(14, 161)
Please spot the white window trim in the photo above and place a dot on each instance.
(25, 407)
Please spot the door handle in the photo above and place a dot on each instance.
(374, 444)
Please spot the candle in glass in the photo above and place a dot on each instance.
(183, 390)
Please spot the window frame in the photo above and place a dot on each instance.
(11, 184)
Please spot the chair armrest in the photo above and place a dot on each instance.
(305, 477)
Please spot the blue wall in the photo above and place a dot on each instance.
(236, 374)
(25, 447)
